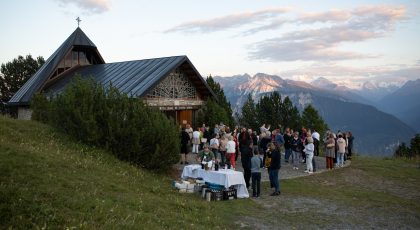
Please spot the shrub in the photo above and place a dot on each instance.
(105, 117)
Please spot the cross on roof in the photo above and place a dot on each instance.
(78, 21)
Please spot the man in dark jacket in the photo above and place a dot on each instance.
(245, 149)
(287, 145)
(274, 169)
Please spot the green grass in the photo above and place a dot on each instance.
(50, 181)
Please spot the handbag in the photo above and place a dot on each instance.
(267, 162)
(330, 145)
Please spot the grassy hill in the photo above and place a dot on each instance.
(49, 181)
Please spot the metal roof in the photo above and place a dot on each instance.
(136, 78)
(25, 93)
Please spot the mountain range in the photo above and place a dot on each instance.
(376, 131)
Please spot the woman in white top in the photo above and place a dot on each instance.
(196, 140)
(309, 151)
(230, 152)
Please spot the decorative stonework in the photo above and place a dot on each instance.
(175, 86)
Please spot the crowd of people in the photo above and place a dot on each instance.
(259, 151)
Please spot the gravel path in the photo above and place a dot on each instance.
(286, 171)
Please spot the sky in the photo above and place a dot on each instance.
(348, 42)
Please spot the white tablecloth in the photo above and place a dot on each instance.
(223, 177)
(190, 171)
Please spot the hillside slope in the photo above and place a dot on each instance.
(50, 181)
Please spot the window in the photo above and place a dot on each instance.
(175, 86)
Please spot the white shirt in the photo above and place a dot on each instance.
(196, 134)
(214, 141)
(230, 147)
(315, 135)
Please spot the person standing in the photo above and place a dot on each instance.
(214, 146)
(303, 136)
(245, 150)
(341, 143)
(296, 146)
(330, 150)
(350, 139)
(256, 164)
(264, 141)
(222, 149)
(309, 151)
(230, 152)
(196, 140)
(274, 168)
(287, 145)
(185, 139)
(316, 137)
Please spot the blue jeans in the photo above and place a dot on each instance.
(256, 183)
(295, 157)
(340, 159)
(274, 179)
(288, 153)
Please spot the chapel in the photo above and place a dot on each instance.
(171, 84)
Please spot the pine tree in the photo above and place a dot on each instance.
(402, 151)
(265, 110)
(290, 114)
(221, 99)
(249, 114)
(312, 120)
(415, 145)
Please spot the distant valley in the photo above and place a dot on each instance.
(376, 132)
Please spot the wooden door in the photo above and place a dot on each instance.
(184, 115)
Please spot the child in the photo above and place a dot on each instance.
(256, 164)
(309, 151)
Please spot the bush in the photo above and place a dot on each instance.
(103, 117)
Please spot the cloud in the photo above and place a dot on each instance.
(280, 50)
(88, 6)
(277, 23)
(322, 44)
(328, 16)
(228, 21)
(354, 75)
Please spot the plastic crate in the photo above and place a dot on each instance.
(230, 194)
(216, 195)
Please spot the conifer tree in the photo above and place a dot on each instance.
(290, 114)
(249, 114)
(312, 120)
(221, 99)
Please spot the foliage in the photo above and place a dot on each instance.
(249, 111)
(212, 113)
(221, 99)
(15, 73)
(312, 120)
(410, 152)
(105, 117)
(272, 110)
(290, 116)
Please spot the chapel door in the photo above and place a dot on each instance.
(184, 116)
